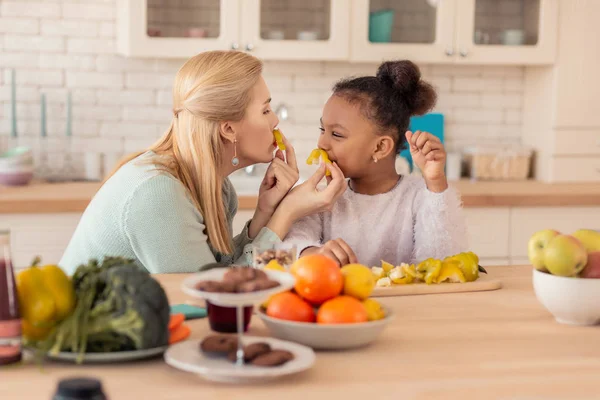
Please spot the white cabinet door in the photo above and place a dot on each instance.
(522, 32)
(488, 230)
(296, 30)
(418, 30)
(157, 28)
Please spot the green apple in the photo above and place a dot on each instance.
(589, 238)
(565, 255)
(536, 246)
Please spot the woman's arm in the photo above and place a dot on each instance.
(439, 226)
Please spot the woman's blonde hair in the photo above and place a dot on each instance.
(209, 88)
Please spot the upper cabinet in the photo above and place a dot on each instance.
(519, 32)
(269, 29)
(456, 31)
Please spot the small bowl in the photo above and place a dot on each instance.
(572, 301)
(18, 178)
(18, 156)
(327, 336)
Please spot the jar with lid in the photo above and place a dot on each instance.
(79, 388)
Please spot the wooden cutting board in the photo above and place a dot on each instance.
(484, 282)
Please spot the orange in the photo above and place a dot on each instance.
(318, 278)
(342, 310)
(291, 307)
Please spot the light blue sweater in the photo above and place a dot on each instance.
(147, 215)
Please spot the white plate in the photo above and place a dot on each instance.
(285, 279)
(188, 357)
(117, 356)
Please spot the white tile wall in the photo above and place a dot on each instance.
(122, 104)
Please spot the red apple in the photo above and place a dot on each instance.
(592, 268)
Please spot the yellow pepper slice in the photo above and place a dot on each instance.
(46, 296)
(451, 272)
(431, 268)
(387, 267)
(399, 276)
(314, 157)
(278, 139)
(411, 270)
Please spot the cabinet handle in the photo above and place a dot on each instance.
(249, 47)
(449, 51)
(464, 53)
(235, 45)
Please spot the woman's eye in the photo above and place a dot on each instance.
(266, 112)
(322, 129)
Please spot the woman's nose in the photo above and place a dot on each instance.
(275, 120)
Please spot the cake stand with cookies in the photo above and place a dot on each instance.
(239, 358)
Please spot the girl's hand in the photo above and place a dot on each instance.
(429, 155)
(337, 249)
(279, 179)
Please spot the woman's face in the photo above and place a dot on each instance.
(255, 141)
(348, 137)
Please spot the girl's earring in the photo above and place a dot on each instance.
(235, 161)
(375, 159)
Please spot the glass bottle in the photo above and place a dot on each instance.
(10, 320)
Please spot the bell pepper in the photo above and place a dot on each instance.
(399, 276)
(430, 268)
(314, 157)
(387, 267)
(468, 263)
(411, 270)
(278, 139)
(451, 272)
(378, 272)
(46, 297)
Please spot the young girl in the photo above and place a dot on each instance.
(383, 215)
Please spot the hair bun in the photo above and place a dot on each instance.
(405, 78)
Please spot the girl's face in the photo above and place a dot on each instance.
(348, 137)
(255, 141)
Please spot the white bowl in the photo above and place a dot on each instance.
(15, 157)
(327, 336)
(572, 301)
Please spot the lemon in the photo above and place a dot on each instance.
(358, 281)
(374, 309)
(274, 265)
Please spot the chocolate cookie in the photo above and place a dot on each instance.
(251, 351)
(210, 286)
(219, 344)
(256, 285)
(273, 358)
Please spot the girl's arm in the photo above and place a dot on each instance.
(439, 224)
(306, 232)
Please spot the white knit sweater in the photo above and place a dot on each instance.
(407, 224)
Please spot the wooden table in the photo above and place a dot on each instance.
(487, 345)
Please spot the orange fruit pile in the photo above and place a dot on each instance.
(319, 295)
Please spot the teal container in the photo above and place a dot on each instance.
(380, 26)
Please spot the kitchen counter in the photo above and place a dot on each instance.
(481, 345)
(74, 197)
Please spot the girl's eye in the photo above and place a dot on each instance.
(334, 134)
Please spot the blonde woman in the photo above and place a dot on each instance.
(171, 207)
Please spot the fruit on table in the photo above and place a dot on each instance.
(291, 307)
(342, 310)
(358, 281)
(314, 157)
(564, 255)
(278, 139)
(589, 238)
(374, 310)
(592, 268)
(46, 297)
(318, 278)
(537, 245)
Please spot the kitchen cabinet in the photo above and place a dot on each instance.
(269, 29)
(561, 114)
(520, 32)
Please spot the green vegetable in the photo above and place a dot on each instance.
(119, 307)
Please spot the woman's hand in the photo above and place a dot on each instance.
(306, 199)
(279, 179)
(429, 155)
(337, 249)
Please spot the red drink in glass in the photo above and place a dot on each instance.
(223, 319)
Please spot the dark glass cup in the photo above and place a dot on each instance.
(223, 319)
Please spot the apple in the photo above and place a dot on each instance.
(589, 238)
(592, 269)
(565, 256)
(536, 246)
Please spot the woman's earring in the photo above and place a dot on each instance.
(235, 161)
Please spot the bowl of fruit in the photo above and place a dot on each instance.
(329, 307)
(565, 274)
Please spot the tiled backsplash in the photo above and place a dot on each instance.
(122, 104)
